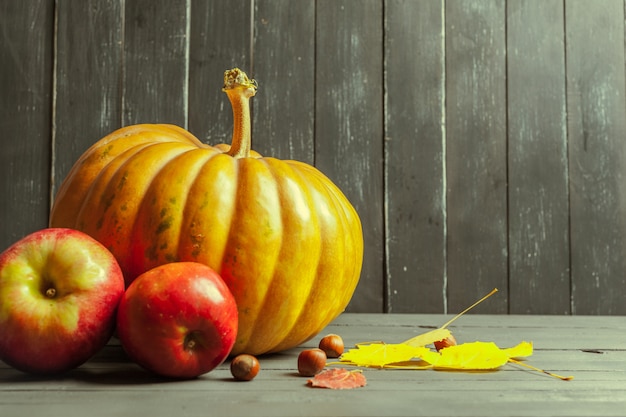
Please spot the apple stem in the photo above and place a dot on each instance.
(51, 292)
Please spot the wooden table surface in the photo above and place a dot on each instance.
(592, 349)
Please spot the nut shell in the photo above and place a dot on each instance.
(311, 362)
(244, 367)
(332, 345)
(447, 342)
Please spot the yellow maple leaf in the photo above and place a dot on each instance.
(400, 355)
(522, 350)
(379, 355)
(475, 356)
(413, 353)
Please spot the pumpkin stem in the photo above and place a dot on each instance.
(239, 89)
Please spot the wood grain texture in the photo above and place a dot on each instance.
(597, 155)
(155, 62)
(26, 54)
(538, 221)
(591, 349)
(220, 39)
(284, 66)
(349, 124)
(481, 141)
(477, 251)
(414, 156)
(88, 81)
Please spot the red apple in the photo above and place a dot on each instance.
(59, 290)
(178, 320)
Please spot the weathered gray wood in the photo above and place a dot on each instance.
(26, 33)
(414, 156)
(476, 152)
(89, 65)
(110, 385)
(597, 155)
(349, 124)
(155, 61)
(511, 179)
(284, 66)
(538, 222)
(220, 39)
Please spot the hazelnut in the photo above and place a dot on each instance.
(447, 342)
(311, 362)
(332, 345)
(244, 367)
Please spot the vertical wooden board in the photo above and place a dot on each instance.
(414, 77)
(284, 66)
(88, 78)
(220, 39)
(538, 177)
(26, 45)
(597, 152)
(349, 124)
(155, 62)
(476, 153)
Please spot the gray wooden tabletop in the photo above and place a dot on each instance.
(592, 349)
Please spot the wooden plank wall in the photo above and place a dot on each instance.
(481, 141)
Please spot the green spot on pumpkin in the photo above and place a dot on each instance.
(164, 225)
(105, 152)
(108, 200)
(122, 182)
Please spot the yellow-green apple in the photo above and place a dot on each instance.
(59, 291)
(178, 320)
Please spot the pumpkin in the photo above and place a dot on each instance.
(284, 238)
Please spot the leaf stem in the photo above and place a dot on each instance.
(564, 378)
(495, 290)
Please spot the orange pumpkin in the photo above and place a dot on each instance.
(284, 238)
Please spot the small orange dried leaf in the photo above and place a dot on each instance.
(338, 378)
